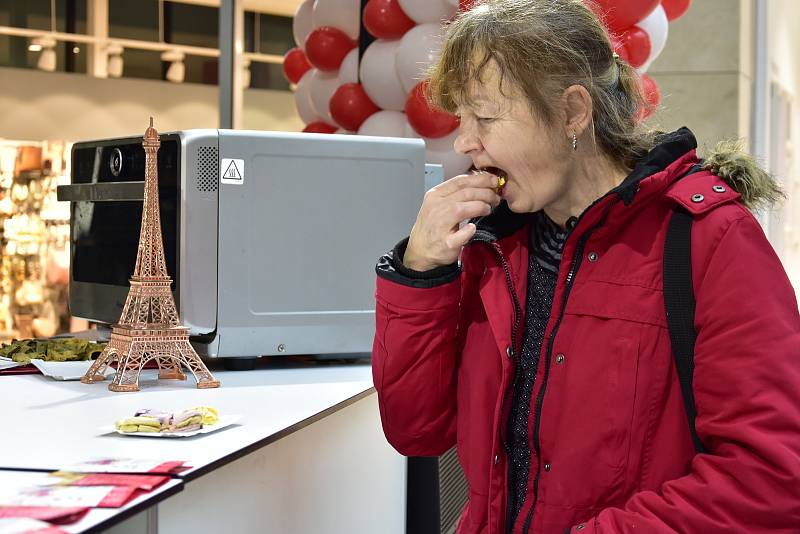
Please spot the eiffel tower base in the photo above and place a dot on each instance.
(132, 348)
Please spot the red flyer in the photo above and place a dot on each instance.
(52, 514)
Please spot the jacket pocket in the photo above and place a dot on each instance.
(588, 412)
(596, 392)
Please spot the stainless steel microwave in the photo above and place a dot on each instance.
(270, 237)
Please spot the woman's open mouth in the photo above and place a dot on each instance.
(501, 178)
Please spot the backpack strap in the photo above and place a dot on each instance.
(680, 307)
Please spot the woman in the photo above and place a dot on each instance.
(544, 355)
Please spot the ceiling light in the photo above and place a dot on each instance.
(177, 70)
(115, 63)
(47, 55)
(47, 60)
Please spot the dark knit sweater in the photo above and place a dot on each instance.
(546, 243)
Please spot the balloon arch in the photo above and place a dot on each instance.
(370, 81)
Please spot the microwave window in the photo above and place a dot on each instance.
(106, 240)
(105, 233)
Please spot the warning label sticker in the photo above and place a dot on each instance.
(232, 171)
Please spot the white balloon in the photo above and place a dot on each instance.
(419, 47)
(379, 76)
(422, 11)
(301, 25)
(323, 85)
(348, 70)
(440, 150)
(656, 25)
(341, 14)
(410, 132)
(302, 99)
(385, 124)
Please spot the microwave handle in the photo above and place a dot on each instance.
(101, 192)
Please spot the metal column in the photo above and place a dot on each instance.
(760, 109)
(97, 15)
(231, 46)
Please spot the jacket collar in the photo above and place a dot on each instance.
(503, 222)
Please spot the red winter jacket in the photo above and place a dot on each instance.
(610, 441)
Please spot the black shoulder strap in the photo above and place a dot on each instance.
(680, 307)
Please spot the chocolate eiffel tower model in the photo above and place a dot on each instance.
(149, 327)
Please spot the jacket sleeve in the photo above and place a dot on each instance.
(747, 393)
(414, 355)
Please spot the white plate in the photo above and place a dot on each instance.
(66, 370)
(8, 363)
(224, 420)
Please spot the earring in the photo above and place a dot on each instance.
(574, 141)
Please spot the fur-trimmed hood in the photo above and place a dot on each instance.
(738, 169)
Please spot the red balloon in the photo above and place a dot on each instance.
(652, 96)
(350, 106)
(326, 47)
(466, 5)
(621, 14)
(319, 127)
(295, 64)
(426, 120)
(637, 46)
(385, 19)
(675, 8)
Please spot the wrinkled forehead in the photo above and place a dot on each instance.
(485, 83)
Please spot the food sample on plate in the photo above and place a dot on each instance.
(139, 424)
(51, 350)
(148, 420)
(210, 415)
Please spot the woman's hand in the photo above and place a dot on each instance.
(436, 238)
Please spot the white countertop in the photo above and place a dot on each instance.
(48, 424)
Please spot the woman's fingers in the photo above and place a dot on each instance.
(458, 239)
(470, 209)
(453, 185)
(436, 238)
(473, 193)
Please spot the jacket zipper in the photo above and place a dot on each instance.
(488, 239)
(573, 271)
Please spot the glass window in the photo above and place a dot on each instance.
(267, 34)
(142, 64)
(275, 34)
(74, 55)
(249, 31)
(71, 16)
(15, 52)
(35, 15)
(201, 69)
(133, 20)
(191, 25)
(267, 76)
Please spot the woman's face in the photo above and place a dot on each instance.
(499, 130)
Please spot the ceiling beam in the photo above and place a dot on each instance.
(284, 8)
